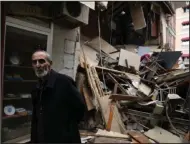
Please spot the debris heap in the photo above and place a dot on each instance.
(131, 101)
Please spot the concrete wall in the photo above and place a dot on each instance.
(65, 50)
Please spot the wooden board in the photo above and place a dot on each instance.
(132, 59)
(139, 137)
(87, 96)
(137, 15)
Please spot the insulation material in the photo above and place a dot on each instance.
(137, 15)
(132, 59)
(91, 55)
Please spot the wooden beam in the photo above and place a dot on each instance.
(139, 137)
(119, 97)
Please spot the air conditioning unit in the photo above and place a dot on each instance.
(70, 14)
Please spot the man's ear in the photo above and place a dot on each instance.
(51, 63)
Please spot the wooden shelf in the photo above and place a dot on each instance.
(18, 66)
(16, 98)
(22, 139)
(14, 116)
(27, 81)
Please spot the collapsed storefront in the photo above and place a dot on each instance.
(29, 26)
(143, 104)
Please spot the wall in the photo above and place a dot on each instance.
(181, 31)
(65, 50)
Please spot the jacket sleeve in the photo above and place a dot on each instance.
(77, 101)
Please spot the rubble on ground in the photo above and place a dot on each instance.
(130, 105)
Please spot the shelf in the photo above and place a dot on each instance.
(14, 116)
(27, 81)
(22, 139)
(15, 66)
(16, 98)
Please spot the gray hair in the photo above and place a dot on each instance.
(48, 56)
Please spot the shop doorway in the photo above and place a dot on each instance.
(21, 40)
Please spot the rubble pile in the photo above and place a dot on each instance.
(145, 105)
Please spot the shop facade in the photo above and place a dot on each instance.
(26, 28)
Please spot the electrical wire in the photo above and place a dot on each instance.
(111, 24)
(100, 46)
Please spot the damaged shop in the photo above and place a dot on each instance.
(102, 45)
(26, 27)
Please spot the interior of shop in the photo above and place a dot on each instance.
(19, 79)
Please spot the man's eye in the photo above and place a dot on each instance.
(42, 61)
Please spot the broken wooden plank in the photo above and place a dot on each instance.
(109, 123)
(97, 81)
(92, 80)
(119, 97)
(83, 88)
(187, 137)
(129, 75)
(139, 137)
(88, 101)
(134, 141)
(93, 85)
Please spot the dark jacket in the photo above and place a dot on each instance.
(63, 108)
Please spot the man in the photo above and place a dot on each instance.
(57, 105)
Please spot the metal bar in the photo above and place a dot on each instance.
(115, 81)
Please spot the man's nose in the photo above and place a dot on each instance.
(37, 64)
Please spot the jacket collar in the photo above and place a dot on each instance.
(50, 80)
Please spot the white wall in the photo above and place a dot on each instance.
(63, 60)
(181, 31)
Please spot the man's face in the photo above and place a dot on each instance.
(40, 64)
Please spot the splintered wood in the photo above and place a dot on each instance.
(139, 137)
(86, 94)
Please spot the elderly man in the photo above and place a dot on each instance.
(57, 105)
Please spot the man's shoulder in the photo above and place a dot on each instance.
(65, 78)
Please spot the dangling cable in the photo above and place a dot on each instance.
(100, 48)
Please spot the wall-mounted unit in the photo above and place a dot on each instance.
(70, 14)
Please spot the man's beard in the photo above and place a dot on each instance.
(41, 72)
